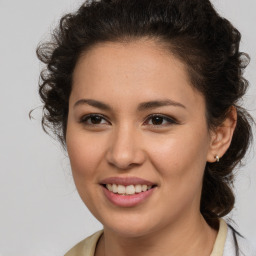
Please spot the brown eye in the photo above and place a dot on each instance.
(93, 120)
(158, 120)
(96, 119)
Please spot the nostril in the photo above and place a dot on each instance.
(122, 166)
(125, 156)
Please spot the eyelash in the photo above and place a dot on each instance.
(85, 118)
(170, 121)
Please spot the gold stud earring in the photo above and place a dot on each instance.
(217, 158)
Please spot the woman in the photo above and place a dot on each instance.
(144, 95)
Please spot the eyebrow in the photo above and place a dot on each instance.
(141, 107)
(93, 103)
(159, 103)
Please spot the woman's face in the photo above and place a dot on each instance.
(135, 121)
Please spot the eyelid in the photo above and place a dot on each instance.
(170, 120)
(84, 118)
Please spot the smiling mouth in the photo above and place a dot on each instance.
(127, 190)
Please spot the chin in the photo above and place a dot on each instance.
(130, 231)
(130, 226)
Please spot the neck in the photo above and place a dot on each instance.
(187, 238)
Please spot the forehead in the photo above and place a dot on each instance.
(140, 56)
(123, 70)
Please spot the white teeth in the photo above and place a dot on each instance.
(109, 187)
(138, 188)
(144, 188)
(120, 189)
(127, 190)
(114, 188)
(130, 190)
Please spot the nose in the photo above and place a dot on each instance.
(125, 148)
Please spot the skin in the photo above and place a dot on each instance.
(127, 142)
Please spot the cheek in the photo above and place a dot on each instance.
(84, 154)
(181, 159)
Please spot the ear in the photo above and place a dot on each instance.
(221, 137)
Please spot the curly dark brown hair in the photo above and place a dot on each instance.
(195, 33)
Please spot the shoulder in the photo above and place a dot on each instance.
(86, 247)
(245, 249)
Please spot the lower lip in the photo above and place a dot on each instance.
(129, 200)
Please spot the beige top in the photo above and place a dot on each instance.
(87, 246)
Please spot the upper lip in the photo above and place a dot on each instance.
(125, 181)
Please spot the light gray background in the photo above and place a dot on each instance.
(41, 213)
